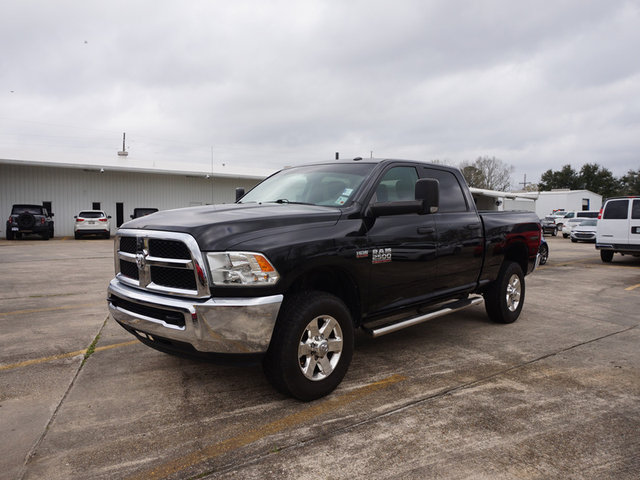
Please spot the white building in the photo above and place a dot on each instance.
(68, 188)
(578, 200)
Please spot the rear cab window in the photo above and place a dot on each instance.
(451, 194)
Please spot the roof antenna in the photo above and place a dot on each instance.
(124, 152)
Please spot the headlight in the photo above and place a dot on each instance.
(240, 269)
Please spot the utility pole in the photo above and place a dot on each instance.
(525, 183)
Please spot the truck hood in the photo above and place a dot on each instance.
(219, 227)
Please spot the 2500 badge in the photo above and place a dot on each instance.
(381, 255)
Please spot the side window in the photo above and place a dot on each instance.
(451, 196)
(635, 210)
(398, 184)
(616, 210)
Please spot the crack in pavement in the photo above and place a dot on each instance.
(40, 439)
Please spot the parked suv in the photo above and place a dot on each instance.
(29, 219)
(143, 212)
(619, 228)
(92, 222)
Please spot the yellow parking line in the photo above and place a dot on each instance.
(51, 309)
(253, 435)
(633, 287)
(36, 361)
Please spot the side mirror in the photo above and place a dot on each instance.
(239, 193)
(108, 216)
(428, 191)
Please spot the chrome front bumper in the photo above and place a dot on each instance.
(215, 325)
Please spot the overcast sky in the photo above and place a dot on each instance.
(263, 84)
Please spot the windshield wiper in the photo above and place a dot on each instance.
(284, 200)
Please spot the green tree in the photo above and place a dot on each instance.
(566, 177)
(630, 183)
(600, 180)
(487, 172)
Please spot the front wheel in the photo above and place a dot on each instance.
(311, 346)
(504, 298)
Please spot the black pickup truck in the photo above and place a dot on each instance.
(288, 272)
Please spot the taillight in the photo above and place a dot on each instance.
(600, 215)
(42, 221)
(102, 219)
(10, 220)
(79, 219)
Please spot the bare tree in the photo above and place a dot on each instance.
(487, 172)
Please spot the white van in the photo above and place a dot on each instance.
(573, 218)
(619, 228)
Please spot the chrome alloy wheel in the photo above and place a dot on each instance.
(320, 347)
(514, 292)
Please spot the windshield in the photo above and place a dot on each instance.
(33, 209)
(588, 223)
(331, 185)
(91, 214)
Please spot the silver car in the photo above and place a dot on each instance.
(585, 231)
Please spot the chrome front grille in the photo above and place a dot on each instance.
(162, 262)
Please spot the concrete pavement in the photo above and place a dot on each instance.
(556, 394)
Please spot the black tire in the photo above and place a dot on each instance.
(504, 298)
(544, 254)
(303, 366)
(10, 234)
(555, 232)
(45, 235)
(606, 256)
(77, 236)
(51, 232)
(565, 235)
(573, 240)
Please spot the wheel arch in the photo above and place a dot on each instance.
(518, 252)
(335, 281)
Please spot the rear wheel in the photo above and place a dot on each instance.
(606, 255)
(9, 234)
(504, 298)
(574, 240)
(311, 346)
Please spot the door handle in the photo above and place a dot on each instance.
(473, 226)
(425, 230)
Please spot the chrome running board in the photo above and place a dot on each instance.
(449, 308)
